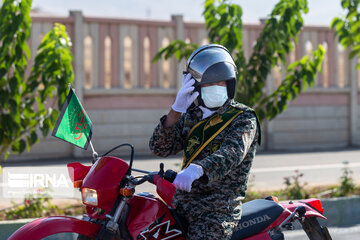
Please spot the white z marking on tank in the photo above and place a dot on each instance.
(160, 231)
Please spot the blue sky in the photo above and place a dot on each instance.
(321, 12)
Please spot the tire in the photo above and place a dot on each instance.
(314, 231)
(83, 237)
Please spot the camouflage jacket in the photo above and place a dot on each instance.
(226, 170)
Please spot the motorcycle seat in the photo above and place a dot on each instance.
(256, 216)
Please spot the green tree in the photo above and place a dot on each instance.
(29, 103)
(224, 25)
(347, 28)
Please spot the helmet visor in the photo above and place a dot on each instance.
(206, 58)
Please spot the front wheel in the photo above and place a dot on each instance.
(314, 230)
(83, 237)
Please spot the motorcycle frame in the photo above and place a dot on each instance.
(43, 227)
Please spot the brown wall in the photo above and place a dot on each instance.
(325, 117)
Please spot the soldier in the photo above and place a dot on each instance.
(218, 137)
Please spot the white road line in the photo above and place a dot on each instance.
(308, 167)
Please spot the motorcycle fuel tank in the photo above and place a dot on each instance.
(150, 218)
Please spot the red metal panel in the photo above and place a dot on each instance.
(149, 216)
(106, 187)
(77, 171)
(43, 227)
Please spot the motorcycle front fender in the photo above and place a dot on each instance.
(47, 226)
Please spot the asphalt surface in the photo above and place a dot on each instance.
(349, 233)
(268, 171)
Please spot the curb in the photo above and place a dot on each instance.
(9, 226)
(342, 211)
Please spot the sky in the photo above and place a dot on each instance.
(321, 12)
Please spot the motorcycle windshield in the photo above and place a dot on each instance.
(104, 177)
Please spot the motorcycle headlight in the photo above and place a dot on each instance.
(89, 196)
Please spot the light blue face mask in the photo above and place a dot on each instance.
(214, 96)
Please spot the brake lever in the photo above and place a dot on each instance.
(138, 182)
(161, 172)
(169, 175)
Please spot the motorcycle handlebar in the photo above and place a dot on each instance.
(169, 175)
(140, 181)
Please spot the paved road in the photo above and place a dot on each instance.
(319, 168)
(349, 233)
(268, 171)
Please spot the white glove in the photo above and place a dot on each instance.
(186, 177)
(184, 98)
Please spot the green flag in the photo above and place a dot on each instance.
(73, 124)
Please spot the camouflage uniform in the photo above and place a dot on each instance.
(213, 207)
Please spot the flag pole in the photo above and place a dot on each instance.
(95, 154)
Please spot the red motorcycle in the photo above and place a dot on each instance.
(115, 212)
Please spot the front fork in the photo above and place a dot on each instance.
(111, 226)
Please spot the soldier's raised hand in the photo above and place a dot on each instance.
(185, 97)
